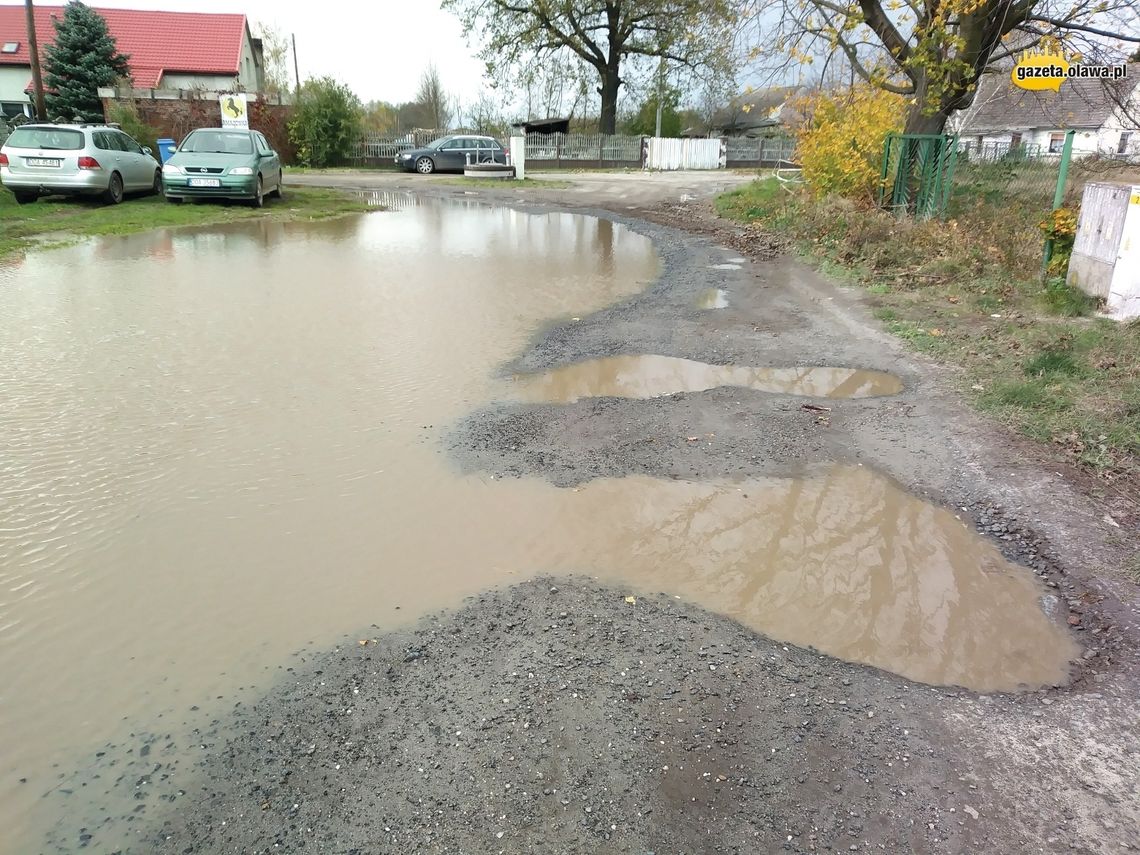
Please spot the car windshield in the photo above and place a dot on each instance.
(217, 142)
(54, 139)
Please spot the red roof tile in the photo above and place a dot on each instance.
(156, 42)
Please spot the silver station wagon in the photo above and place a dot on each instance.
(91, 160)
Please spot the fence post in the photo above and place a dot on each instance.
(887, 143)
(1058, 196)
(601, 148)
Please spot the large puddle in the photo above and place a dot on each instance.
(647, 376)
(221, 445)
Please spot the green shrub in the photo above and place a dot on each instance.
(126, 116)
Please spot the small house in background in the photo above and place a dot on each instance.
(166, 50)
(760, 113)
(542, 126)
(1104, 113)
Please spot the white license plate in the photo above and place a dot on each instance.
(42, 161)
(205, 182)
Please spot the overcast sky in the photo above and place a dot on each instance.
(378, 47)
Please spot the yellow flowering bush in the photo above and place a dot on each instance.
(840, 140)
(1061, 228)
(1060, 224)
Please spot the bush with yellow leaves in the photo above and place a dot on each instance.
(840, 141)
(1061, 228)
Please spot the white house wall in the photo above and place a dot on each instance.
(206, 82)
(13, 79)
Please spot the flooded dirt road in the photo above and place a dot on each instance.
(222, 445)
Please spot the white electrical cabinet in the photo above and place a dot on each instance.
(1106, 254)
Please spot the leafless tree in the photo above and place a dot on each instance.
(436, 103)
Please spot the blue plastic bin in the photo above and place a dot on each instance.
(165, 149)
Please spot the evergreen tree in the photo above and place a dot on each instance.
(82, 58)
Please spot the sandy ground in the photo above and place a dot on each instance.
(557, 717)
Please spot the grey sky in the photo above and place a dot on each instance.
(378, 47)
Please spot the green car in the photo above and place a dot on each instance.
(223, 163)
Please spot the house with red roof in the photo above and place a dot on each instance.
(167, 50)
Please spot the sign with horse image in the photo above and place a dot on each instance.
(235, 112)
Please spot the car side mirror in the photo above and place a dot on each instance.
(147, 150)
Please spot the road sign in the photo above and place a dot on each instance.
(235, 113)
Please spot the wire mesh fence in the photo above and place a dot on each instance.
(1021, 177)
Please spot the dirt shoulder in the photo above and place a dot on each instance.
(494, 728)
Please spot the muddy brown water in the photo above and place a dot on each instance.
(712, 298)
(651, 376)
(222, 444)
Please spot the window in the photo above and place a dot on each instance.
(10, 47)
(12, 109)
(1056, 143)
(219, 142)
(1122, 146)
(128, 144)
(1014, 141)
(50, 139)
(263, 145)
(458, 142)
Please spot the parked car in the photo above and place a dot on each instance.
(223, 163)
(451, 153)
(92, 160)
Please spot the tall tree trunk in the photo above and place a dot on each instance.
(918, 122)
(611, 82)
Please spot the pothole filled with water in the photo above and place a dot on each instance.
(220, 447)
(713, 298)
(650, 376)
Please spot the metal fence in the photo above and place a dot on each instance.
(917, 174)
(580, 147)
(375, 146)
(767, 150)
(1025, 176)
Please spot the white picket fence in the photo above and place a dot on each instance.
(665, 153)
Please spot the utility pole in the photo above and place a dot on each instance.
(296, 68)
(34, 53)
(660, 94)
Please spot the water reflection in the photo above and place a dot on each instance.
(650, 376)
(220, 444)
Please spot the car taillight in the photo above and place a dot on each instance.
(89, 163)
(3, 159)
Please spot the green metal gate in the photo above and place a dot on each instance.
(917, 174)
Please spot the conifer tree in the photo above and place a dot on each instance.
(82, 58)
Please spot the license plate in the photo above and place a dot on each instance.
(205, 182)
(42, 161)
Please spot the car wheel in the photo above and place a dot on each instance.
(156, 187)
(278, 191)
(26, 198)
(425, 166)
(114, 192)
(258, 201)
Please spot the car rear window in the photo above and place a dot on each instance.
(56, 139)
(220, 142)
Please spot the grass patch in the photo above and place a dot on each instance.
(1052, 362)
(59, 220)
(968, 291)
(1059, 299)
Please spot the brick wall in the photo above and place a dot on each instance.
(175, 117)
